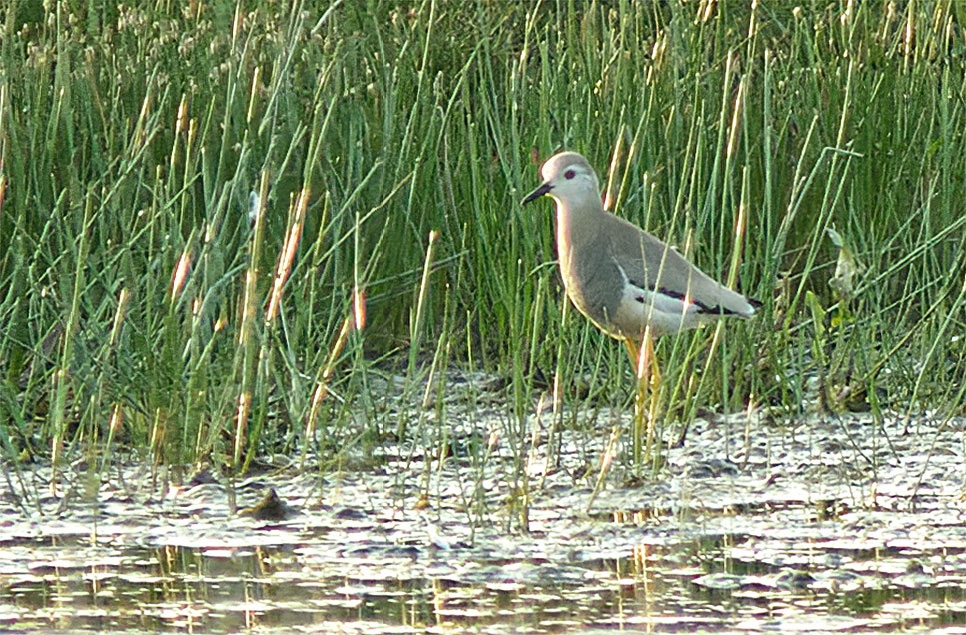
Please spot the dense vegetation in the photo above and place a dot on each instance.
(220, 227)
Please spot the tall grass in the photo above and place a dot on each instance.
(197, 203)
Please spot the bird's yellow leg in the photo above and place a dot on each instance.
(655, 370)
(648, 376)
(611, 449)
(635, 352)
(655, 385)
(643, 360)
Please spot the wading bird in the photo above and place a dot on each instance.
(627, 282)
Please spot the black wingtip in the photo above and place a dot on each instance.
(720, 310)
(706, 309)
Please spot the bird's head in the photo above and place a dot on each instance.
(568, 178)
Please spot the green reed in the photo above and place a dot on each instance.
(135, 288)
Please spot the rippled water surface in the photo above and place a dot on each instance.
(830, 524)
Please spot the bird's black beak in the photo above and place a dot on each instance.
(537, 193)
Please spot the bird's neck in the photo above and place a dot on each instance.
(579, 220)
(578, 226)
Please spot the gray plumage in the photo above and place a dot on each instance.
(619, 276)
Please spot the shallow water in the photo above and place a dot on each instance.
(832, 524)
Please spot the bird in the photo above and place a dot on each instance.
(630, 284)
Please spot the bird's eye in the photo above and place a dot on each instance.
(569, 174)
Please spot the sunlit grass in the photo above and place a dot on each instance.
(197, 206)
